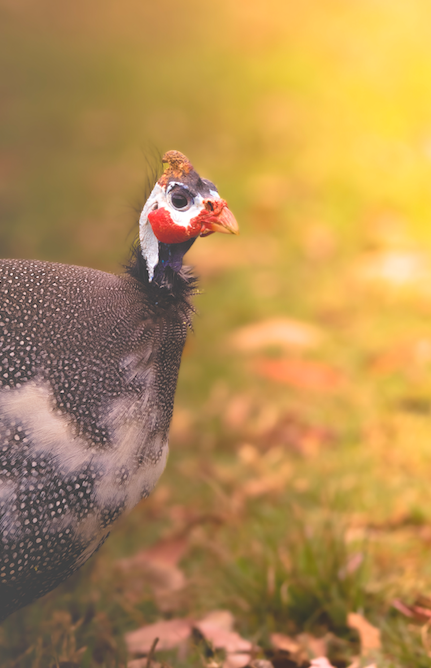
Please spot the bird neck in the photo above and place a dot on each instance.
(170, 256)
(172, 284)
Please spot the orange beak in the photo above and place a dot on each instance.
(218, 218)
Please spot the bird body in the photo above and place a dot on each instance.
(88, 370)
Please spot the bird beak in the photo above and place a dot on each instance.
(218, 218)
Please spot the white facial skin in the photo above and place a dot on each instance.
(159, 198)
(149, 242)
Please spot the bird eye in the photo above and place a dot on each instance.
(181, 200)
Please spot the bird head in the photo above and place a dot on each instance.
(181, 207)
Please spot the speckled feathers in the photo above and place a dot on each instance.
(88, 370)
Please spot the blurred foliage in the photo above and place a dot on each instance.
(318, 111)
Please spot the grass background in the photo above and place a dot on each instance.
(314, 120)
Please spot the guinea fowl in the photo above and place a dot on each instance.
(88, 371)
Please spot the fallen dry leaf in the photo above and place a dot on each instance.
(321, 662)
(285, 643)
(236, 661)
(293, 432)
(230, 641)
(157, 565)
(223, 619)
(168, 552)
(284, 332)
(315, 646)
(271, 482)
(170, 633)
(369, 635)
(216, 627)
(302, 374)
(301, 647)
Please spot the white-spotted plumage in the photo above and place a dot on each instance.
(87, 382)
(88, 370)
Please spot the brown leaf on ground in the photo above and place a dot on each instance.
(236, 661)
(317, 647)
(302, 374)
(301, 647)
(321, 662)
(267, 483)
(216, 628)
(170, 633)
(369, 635)
(168, 552)
(293, 432)
(284, 332)
(223, 619)
(285, 643)
(158, 565)
(230, 641)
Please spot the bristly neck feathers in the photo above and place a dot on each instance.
(172, 283)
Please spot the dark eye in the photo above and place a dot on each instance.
(181, 200)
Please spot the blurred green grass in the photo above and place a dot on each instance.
(330, 98)
(314, 120)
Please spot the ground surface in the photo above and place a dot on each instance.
(297, 489)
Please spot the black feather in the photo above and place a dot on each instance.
(168, 286)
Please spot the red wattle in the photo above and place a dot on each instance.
(168, 232)
(210, 214)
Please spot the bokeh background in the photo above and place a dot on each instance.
(318, 112)
(306, 383)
